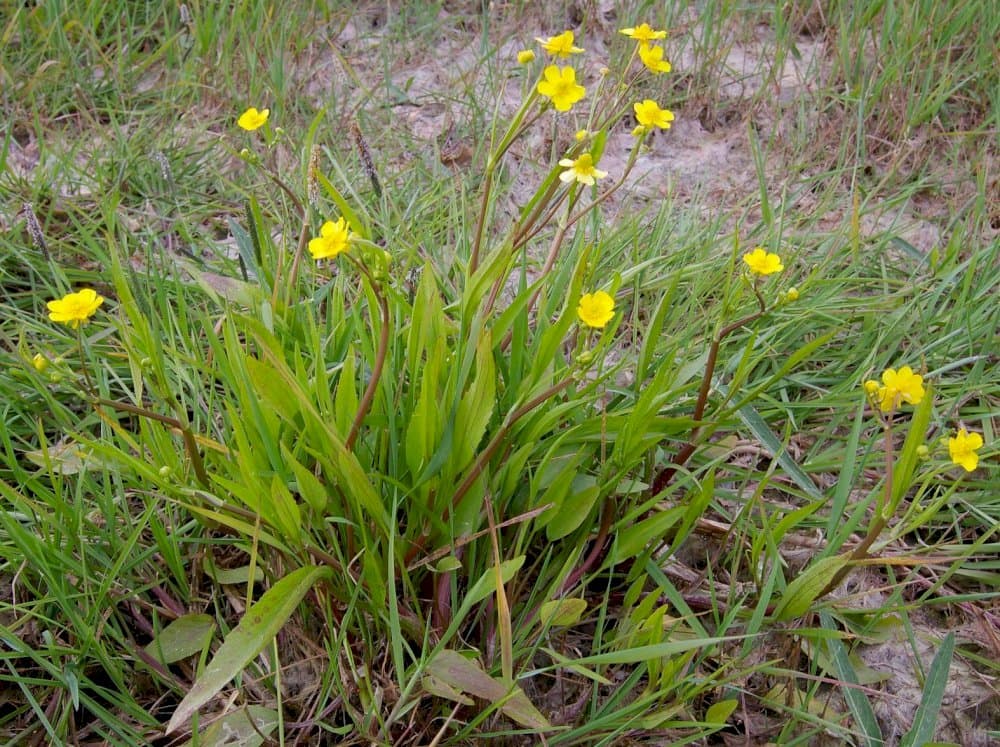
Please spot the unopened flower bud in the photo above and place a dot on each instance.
(525, 56)
(585, 358)
(164, 470)
(40, 362)
(792, 294)
(923, 453)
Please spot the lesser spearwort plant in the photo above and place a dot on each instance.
(444, 466)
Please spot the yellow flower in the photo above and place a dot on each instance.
(333, 239)
(40, 362)
(581, 135)
(649, 114)
(962, 449)
(900, 386)
(762, 262)
(75, 309)
(560, 87)
(252, 119)
(596, 309)
(582, 170)
(643, 33)
(652, 57)
(525, 56)
(560, 45)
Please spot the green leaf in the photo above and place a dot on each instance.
(353, 219)
(476, 407)
(772, 444)
(447, 564)
(487, 585)
(902, 472)
(246, 727)
(345, 405)
(270, 389)
(425, 426)
(719, 713)
(802, 592)
(259, 625)
(930, 701)
(641, 654)
(184, 637)
(285, 513)
(442, 689)
(575, 508)
(313, 492)
(633, 539)
(562, 612)
(230, 576)
(857, 701)
(467, 676)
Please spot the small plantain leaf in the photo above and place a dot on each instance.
(922, 730)
(184, 637)
(802, 592)
(466, 676)
(562, 612)
(259, 625)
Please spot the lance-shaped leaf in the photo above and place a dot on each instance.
(259, 625)
(463, 675)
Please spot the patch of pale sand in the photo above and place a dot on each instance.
(749, 66)
(970, 705)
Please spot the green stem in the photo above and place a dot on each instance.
(517, 127)
(664, 476)
(294, 273)
(880, 521)
(83, 363)
(190, 444)
(380, 355)
(501, 434)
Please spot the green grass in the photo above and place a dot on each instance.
(255, 489)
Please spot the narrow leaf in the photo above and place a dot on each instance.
(922, 730)
(466, 676)
(719, 713)
(857, 701)
(184, 637)
(562, 612)
(259, 625)
(247, 727)
(802, 592)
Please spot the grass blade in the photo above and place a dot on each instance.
(857, 701)
(922, 730)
